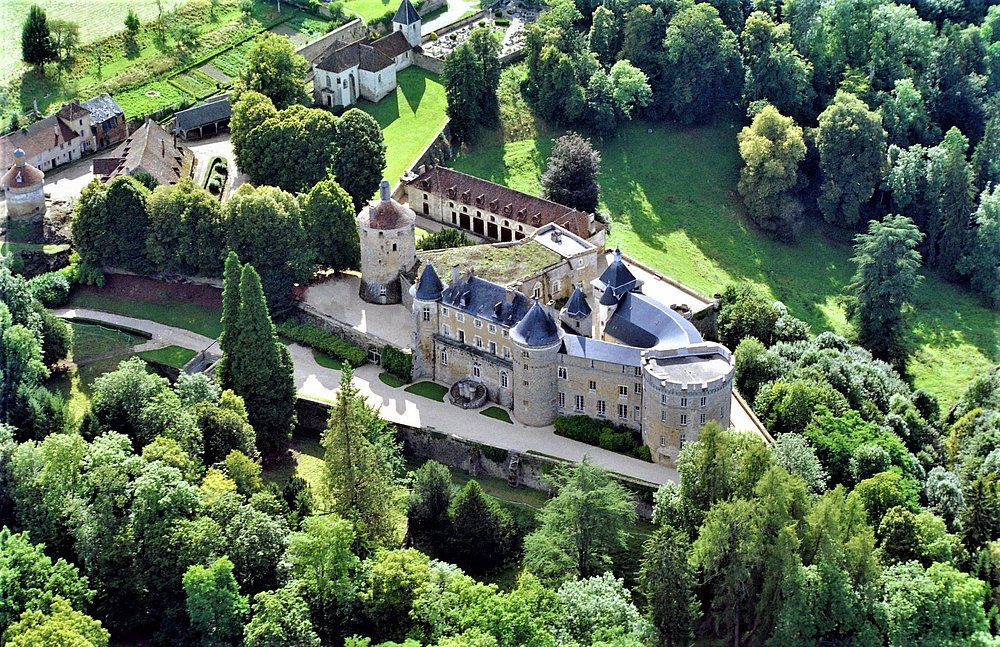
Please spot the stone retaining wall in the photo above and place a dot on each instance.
(310, 315)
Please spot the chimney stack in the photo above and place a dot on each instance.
(455, 272)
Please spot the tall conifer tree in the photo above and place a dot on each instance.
(230, 314)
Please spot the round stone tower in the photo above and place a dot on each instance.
(388, 247)
(426, 294)
(24, 186)
(536, 344)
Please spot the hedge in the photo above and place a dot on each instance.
(397, 362)
(616, 438)
(323, 341)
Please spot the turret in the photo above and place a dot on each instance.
(576, 314)
(536, 344)
(426, 295)
(613, 284)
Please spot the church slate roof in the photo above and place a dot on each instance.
(646, 323)
(577, 306)
(372, 60)
(341, 57)
(536, 328)
(406, 14)
(429, 288)
(486, 300)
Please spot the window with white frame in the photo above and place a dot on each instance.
(601, 408)
(563, 375)
(492, 328)
(637, 388)
(477, 323)
(477, 370)
(447, 330)
(684, 402)
(663, 398)
(622, 391)
(663, 441)
(684, 419)
(703, 400)
(683, 440)
(579, 403)
(427, 314)
(461, 336)
(623, 411)
(562, 398)
(444, 312)
(663, 416)
(506, 352)
(492, 347)
(636, 412)
(444, 358)
(638, 371)
(479, 341)
(702, 419)
(504, 380)
(459, 317)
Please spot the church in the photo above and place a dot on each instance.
(366, 69)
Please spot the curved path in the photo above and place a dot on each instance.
(316, 382)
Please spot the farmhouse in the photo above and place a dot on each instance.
(107, 120)
(365, 68)
(491, 210)
(53, 141)
(614, 351)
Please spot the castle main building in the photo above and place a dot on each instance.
(613, 351)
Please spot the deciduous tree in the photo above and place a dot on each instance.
(328, 217)
(214, 604)
(981, 261)
(275, 70)
(280, 619)
(851, 146)
(668, 583)
(360, 159)
(63, 625)
(775, 71)
(772, 147)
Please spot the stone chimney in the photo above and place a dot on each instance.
(471, 272)
(384, 191)
(455, 273)
(508, 296)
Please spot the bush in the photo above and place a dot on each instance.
(323, 341)
(434, 35)
(81, 272)
(586, 430)
(397, 362)
(51, 288)
(618, 441)
(444, 239)
(502, 22)
(642, 453)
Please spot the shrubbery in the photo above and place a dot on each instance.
(444, 239)
(596, 432)
(323, 341)
(51, 288)
(397, 362)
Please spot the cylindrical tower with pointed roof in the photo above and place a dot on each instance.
(388, 247)
(536, 344)
(426, 294)
(24, 186)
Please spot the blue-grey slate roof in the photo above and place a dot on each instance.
(429, 288)
(577, 306)
(536, 328)
(617, 277)
(601, 351)
(102, 107)
(486, 300)
(644, 322)
(406, 14)
(214, 110)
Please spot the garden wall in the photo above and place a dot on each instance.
(348, 33)
(310, 315)
(468, 456)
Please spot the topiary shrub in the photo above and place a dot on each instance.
(397, 362)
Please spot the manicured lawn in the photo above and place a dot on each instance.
(203, 320)
(671, 192)
(428, 390)
(326, 361)
(370, 9)
(497, 413)
(391, 380)
(410, 118)
(174, 356)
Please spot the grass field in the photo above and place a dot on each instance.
(173, 356)
(390, 380)
(410, 118)
(97, 20)
(671, 193)
(203, 320)
(428, 390)
(497, 413)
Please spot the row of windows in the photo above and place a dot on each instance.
(702, 402)
(479, 214)
(477, 371)
(579, 405)
(477, 341)
(460, 318)
(564, 374)
(683, 439)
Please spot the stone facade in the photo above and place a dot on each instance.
(388, 248)
(53, 141)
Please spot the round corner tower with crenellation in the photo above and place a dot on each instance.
(388, 247)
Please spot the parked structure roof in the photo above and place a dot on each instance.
(214, 110)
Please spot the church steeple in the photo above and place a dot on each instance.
(407, 20)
